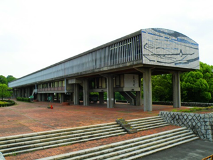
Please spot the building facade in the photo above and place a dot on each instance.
(117, 66)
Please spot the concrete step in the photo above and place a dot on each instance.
(137, 147)
(54, 139)
(59, 135)
(42, 140)
(144, 119)
(147, 123)
(57, 131)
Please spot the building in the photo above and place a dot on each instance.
(117, 66)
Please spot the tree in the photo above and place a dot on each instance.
(197, 85)
(10, 78)
(162, 87)
(3, 80)
(5, 91)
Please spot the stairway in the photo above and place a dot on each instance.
(129, 96)
(133, 148)
(42, 140)
(147, 123)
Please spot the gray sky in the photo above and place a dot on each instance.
(37, 33)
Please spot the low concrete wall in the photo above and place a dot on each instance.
(200, 124)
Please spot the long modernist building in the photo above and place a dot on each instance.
(117, 66)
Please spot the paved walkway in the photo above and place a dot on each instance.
(195, 150)
(34, 117)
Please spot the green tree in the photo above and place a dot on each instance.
(10, 78)
(162, 87)
(3, 80)
(5, 91)
(197, 85)
(118, 96)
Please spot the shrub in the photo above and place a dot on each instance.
(6, 103)
(23, 99)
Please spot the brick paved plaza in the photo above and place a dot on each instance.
(35, 117)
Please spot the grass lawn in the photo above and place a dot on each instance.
(195, 109)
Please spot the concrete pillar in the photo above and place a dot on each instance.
(19, 93)
(42, 97)
(22, 93)
(57, 96)
(76, 94)
(62, 98)
(176, 90)
(147, 89)
(28, 92)
(71, 97)
(138, 98)
(101, 97)
(114, 97)
(25, 92)
(138, 93)
(110, 92)
(52, 96)
(86, 92)
(39, 97)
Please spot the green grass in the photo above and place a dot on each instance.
(194, 109)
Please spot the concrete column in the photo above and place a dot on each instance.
(22, 94)
(114, 97)
(110, 92)
(62, 98)
(76, 94)
(39, 97)
(101, 97)
(71, 97)
(52, 96)
(138, 98)
(57, 96)
(176, 90)
(28, 92)
(25, 93)
(19, 93)
(147, 89)
(138, 93)
(42, 97)
(86, 92)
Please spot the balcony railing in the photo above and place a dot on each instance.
(51, 89)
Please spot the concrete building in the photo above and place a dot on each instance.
(117, 66)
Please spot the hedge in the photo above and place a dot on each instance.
(8, 103)
(23, 99)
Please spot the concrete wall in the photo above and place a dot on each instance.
(200, 124)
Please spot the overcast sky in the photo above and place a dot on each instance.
(37, 33)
